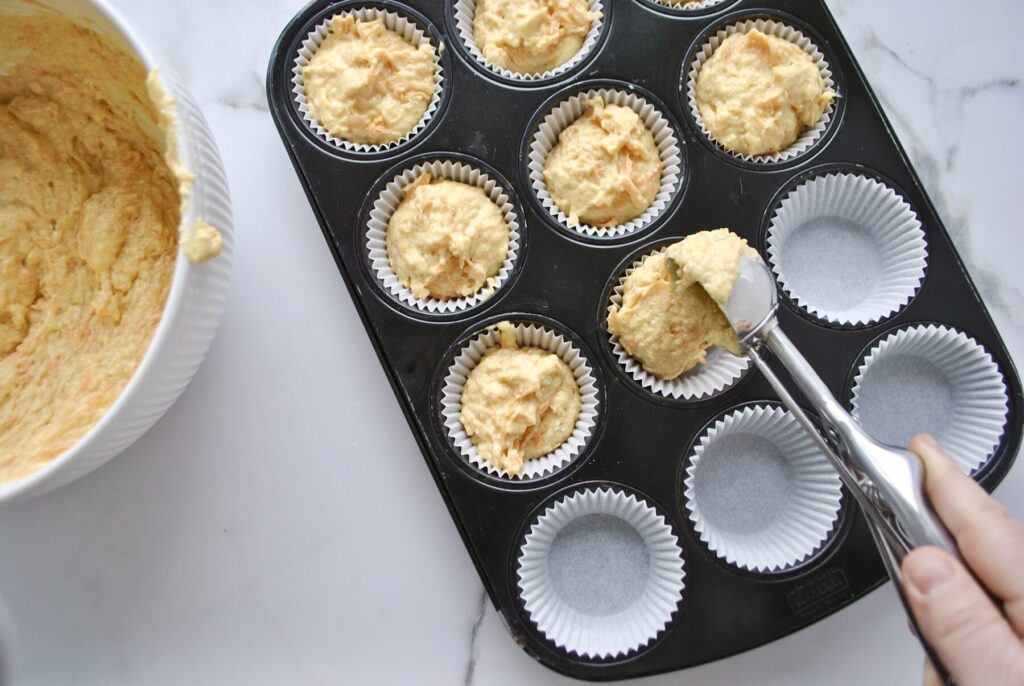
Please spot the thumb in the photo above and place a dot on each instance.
(959, 620)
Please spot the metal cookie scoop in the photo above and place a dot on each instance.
(887, 482)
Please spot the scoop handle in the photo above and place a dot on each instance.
(895, 474)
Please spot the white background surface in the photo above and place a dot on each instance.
(279, 524)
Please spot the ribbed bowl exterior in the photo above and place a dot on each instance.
(191, 316)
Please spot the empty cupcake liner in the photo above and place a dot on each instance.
(527, 335)
(389, 200)
(723, 369)
(600, 573)
(848, 249)
(937, 380)
(465, 10)
(408, 29)
(572, 108)
(780, 30)
(760, 493)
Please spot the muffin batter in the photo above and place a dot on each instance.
(711, 259)
(667, 320)
(446, 238)
(367, 84)
(518, 403)
(758, 93)
(605, 169)
(531, 36)
(89, 215)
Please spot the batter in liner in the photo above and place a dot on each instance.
(367, 84)
(518, 404)
(605, 169)
(531, 36)
(757, 93)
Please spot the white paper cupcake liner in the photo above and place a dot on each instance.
(572, 108)
(686, 7)
(388, 201)
(527, 335)
(409, 30)
(760, 493)
(937, 380)
(465, 10)
(848, 249)
(601, 573)
(722, 371)
(779, 30)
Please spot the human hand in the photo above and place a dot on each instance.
(954, 610)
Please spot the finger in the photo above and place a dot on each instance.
(990, 540)
(931, 677)
(959, 620)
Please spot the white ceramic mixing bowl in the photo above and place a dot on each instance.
(198, 291)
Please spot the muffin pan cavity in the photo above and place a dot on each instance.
(772, 26)
(566, 108)
(461, 14)
(398, 18)
(769, 545)
(759, 492)
(600, 573)
(938, 380)
(722, 371)
(683, 8)
(453, 168)
(847, 249)
(528, 334)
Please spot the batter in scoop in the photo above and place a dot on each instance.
(667, 319)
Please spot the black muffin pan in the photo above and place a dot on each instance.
(563, 279)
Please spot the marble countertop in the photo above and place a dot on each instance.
(249, 538)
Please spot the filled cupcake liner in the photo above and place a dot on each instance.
(684, 6)
(963, 401)
(572, 108)
(389, 200)
(863, 208)
(595, 634)
(406, 28)
(780, 30)
(527, 335)
(805, 508)
(722, 370)
(465, 10)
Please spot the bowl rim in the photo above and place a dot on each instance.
(176, 295)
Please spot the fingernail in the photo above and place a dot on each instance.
(928, 571)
